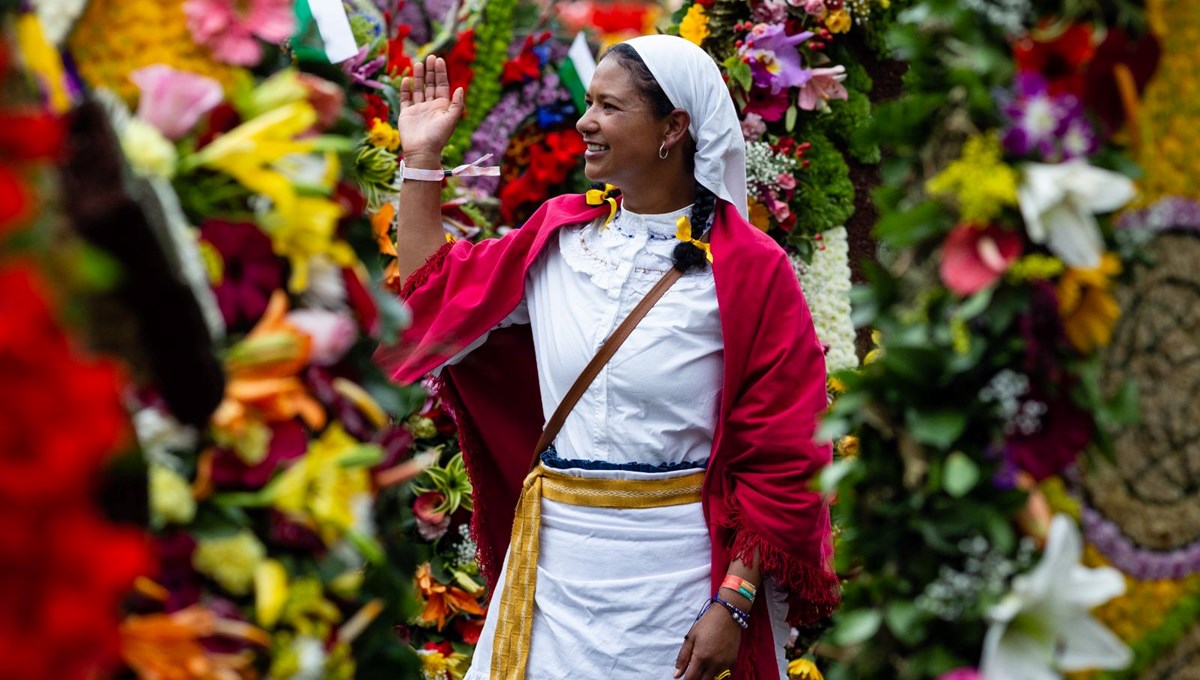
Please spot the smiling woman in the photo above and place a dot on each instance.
(677, 479)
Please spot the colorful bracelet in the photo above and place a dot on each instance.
(740, 617)
(741, 586)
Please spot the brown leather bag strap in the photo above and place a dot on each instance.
(606, 351)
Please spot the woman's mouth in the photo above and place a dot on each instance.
(594, 150)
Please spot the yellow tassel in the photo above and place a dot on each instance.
(598, 197)
(683, 232)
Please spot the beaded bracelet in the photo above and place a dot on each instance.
(740, 617)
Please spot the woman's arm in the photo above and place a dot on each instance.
(711, 646)
(428, 114)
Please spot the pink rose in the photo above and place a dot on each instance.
(753, 127)
(786, 181)
(332, 333)
(814, 8)
(173, 101)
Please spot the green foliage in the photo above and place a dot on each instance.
(825, 185)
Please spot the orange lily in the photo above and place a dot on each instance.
(442, 601)
(262, 372)
(168, 646)
(381, 225)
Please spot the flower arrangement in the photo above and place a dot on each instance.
(66, 565)
(991, 304)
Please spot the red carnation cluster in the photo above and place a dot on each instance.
(63, 569)
(549, 162)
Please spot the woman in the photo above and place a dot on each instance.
(716, 390)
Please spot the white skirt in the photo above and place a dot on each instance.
(617, 589)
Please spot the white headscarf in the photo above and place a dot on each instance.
(692, 81)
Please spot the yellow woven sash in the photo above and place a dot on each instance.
(514, 623)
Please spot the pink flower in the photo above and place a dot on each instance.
(825, 84)
(332, 333)
(753, 127)
(973, 258)
(771, 12)
(786, 181)
(431, 525)
(173, 101)
(814, 8)
(326, 98)
(229, 27)
(963, 673)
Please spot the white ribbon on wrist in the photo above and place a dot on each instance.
(438, 174)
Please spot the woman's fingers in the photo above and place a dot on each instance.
(405, 92)
(685, 654)
(430, 75)
(441, 79)
(418, 82)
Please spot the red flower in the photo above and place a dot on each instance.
(30, 135)
(973, 258)
(526, 65)
(549, 163)
(288, 442)
(250, 269)
(14, 199)
(1064, 431)
(52, 441)
(1102, 95)
(375, 109)
(1061, 59)
(444, 647)
(770, 106)
(458, 61)
(470, 627)
(398, 62)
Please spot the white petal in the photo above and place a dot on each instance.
(1039, 191)
(1074, 235)
(1099, 189)
(1089, 588)
(1064, 547)
(1086, 643)
(1019, 656)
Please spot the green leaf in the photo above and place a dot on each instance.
(907, 227)
(789, 119)
(903, 618)
(936, 428)
(739, 72)
(832, 475)
(976, 304)
(960, 474)
(857, 626)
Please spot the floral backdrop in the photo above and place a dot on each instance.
(228, 248)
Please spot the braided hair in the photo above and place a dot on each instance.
(686, 256)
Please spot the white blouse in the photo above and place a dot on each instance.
(657, 399)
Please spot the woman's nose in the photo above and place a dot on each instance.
(586, 122)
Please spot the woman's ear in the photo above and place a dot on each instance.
(678, 122)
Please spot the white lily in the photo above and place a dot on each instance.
(1044, 624)
(1060, 203)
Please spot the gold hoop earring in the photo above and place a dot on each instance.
(663, 152)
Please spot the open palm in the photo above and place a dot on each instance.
(428, 112)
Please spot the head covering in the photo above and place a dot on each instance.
(692, 81)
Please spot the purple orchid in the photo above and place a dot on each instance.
(773, 57)
(360, 69)
(1050, 125)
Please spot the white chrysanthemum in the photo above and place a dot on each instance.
(58, 17)
(150, 154)
(826, 284)
(159, 435)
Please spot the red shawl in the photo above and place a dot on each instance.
(756, 489)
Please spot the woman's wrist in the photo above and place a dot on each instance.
(423, 160)
(735, 598)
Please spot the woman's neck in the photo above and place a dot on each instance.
(659, 199)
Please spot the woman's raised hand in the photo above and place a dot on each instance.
(428, 112)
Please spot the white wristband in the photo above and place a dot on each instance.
(421, 174)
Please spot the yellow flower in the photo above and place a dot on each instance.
(759, 215)
(437, 666)
(305, 228)
(694, 26)
(980, 181)
(323, 486)
(248, 152)
(1034, 267)
(839, 21)
(803, 669)
(230, 561)
(384, 136)
(270, 592)
(279, 90)
(113, 38)
(171, 499)
(1087, 308)
(43, 60)
(848, 446)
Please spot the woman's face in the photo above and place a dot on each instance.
(621, 131)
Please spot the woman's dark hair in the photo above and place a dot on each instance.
(686, 255)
